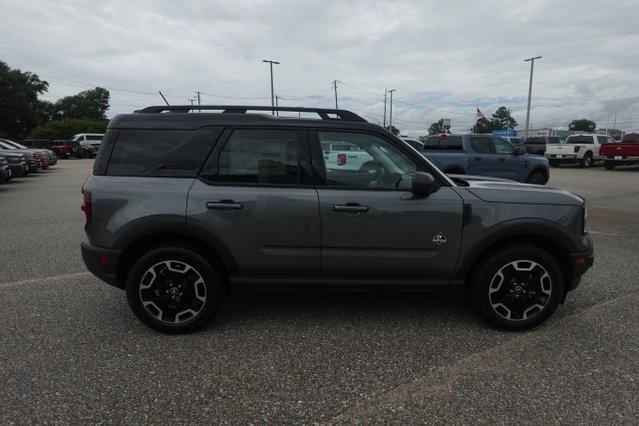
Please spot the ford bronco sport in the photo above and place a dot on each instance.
(182, 207)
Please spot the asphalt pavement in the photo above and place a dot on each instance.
(72, 352)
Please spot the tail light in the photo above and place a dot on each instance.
(341, 158)
(577, 147)
(87, 208)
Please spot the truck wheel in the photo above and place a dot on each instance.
(173, 289)
(537, 178)
(587, 161)
(609, 165)
(518, 287)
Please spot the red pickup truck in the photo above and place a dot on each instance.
(621, 153)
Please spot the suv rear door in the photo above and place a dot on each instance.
(374, 231)
(255, 200)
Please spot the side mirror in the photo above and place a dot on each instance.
(423, 185)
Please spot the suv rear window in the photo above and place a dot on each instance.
(174, 153)
(579, 139)
(451, 143)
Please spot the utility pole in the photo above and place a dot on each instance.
(198, 100)
(335, 88)
(277, 104)
(385, 93)
(390, 114)
(272, 91)
(532, 65)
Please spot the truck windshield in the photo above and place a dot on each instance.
(579, 139)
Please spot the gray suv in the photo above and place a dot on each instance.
(183, 207)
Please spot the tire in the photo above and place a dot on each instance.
(609, 165)
(554, 163)
(522, 304)
(587, 161)
(185, 299)
(537, 178)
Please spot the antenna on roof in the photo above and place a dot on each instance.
(167, 102)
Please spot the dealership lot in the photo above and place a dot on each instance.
(71, 350)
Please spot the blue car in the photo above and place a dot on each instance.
(485, 155)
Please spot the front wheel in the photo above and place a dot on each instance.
(518, 287)
(537, 178)
(173, 289)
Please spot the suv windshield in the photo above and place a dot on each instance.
(579, 139)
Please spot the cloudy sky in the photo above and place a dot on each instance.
(443, 58)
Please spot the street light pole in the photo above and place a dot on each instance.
(385, 93)
(390, 114)
(532, 65)
(272, 91)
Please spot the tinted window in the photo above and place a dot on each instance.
(553, 140)
(260, 156)
(601, 139)
(452, 143)
(630, 138)
(482, 145)
(377, 164)
(579, 139)
(537, 140)
(178, 153)
(94, 138)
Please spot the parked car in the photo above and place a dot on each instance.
(5, 170)
(537, 144)
(181, 208)
(92, 140)
(68, 149)
(35, 160)
(485, 155)
(48, 160)
(622, 153)
(578, 148)
(16, 159)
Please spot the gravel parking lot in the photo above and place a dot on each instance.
(71, 350)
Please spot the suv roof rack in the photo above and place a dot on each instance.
(341, 114)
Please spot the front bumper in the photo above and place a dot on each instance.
(581, 262)
(102, 263)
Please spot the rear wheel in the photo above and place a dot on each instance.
(173, 289)
(518, 287)
(587, 161)
(609, 165)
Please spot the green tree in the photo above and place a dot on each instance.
(89, 104)
(583, 125)
(483, 125)
(67, 127)
(438, 128)
(19, 101)
(394, 130)
(502, 119)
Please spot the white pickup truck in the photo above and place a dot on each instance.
(346, 156)
(578, 148)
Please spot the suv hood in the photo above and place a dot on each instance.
(513, 192)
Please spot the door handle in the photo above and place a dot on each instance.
(224, 205)
(477, 159)
(350, 208)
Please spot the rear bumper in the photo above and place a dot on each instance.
(622, 159)
(102, 263)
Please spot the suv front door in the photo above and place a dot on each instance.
(373, 230)
(496, 157)
(255, 200)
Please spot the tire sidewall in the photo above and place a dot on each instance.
(499, 259)
(212, 281)
(587, 161)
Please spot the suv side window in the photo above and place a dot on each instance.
(159, 153)
(260, 157)
(601, 139)
(502, 147)
(482, 145)
(377, 165)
